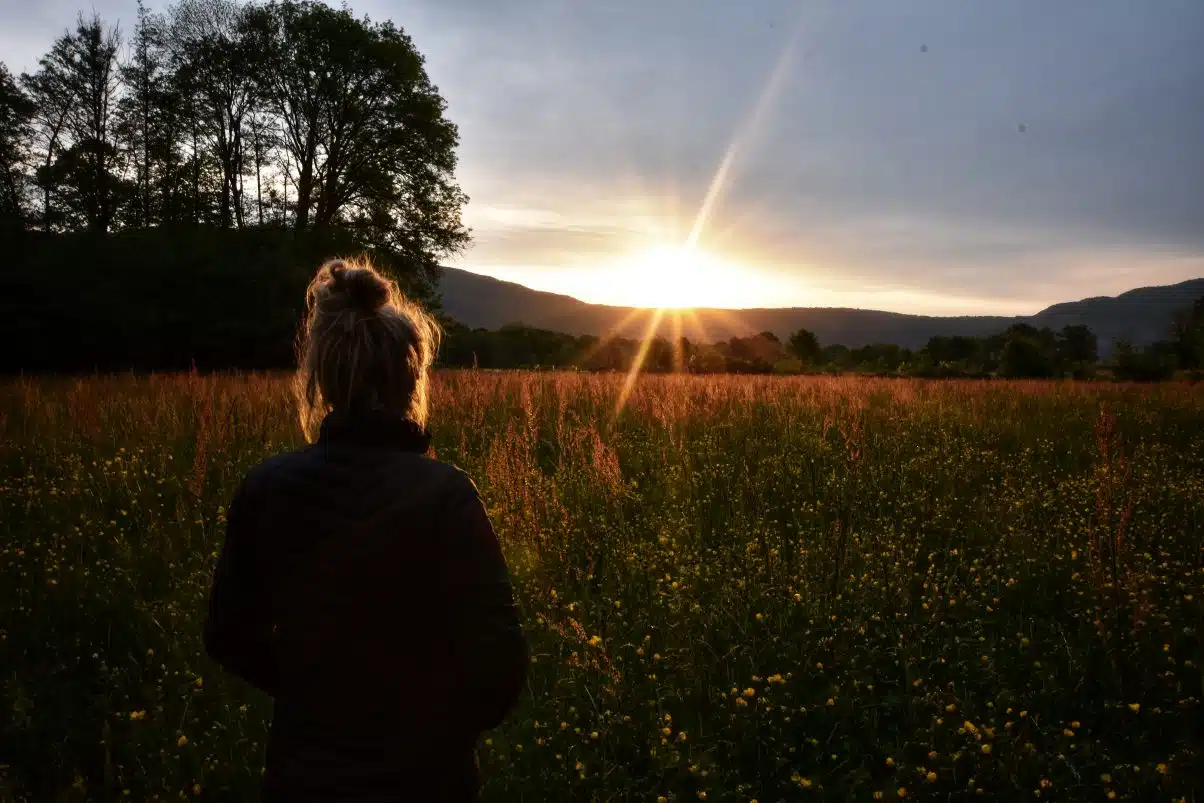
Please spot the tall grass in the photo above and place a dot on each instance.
(735, 588)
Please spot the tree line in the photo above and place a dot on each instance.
(1020, 351)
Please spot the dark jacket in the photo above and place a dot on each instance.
(361, 584)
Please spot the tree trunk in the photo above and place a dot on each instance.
(196, 177)
(258, 178)
(305, 182)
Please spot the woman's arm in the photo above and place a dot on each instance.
(489, 650)
(238, 631)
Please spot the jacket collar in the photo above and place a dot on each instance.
(372, 428)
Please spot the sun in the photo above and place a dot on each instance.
(680, 277)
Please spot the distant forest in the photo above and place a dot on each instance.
(167, 191)
(1021, 351)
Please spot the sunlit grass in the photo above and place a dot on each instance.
(737, 588)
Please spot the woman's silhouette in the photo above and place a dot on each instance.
(361, 583)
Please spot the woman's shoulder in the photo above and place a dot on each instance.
(272, 471)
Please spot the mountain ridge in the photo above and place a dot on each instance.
(1141, 315)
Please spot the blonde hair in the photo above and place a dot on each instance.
(363, 345)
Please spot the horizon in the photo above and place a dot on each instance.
(938, 160)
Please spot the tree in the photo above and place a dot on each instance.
(1129, 363)
(805, 345)
(76, 91)
(1187, 336)
(955, 349)
(1024, 357)
(16, 112)
(51, 105)
(217, 60)
(1078, 345)
(365, 140)
(148, 123)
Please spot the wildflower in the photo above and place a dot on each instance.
(1135, 707)
(902, 791)
(986, 748)
(183, 740)
(930, 777)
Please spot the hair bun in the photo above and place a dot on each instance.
(363, 288)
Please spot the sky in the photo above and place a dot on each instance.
(929, 156)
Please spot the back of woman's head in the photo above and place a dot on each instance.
(364, 345)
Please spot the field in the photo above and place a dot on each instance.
(736, 589)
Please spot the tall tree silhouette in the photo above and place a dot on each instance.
(805, 345)
(217, 62)
(16, 111)
(51, 104)
(366, 143)
(148, 123)
(75, 92)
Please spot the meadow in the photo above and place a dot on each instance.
(736, 589)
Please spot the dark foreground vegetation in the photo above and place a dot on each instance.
(736, 589)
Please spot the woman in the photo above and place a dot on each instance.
(361, 583)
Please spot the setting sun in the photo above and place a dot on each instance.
(680, 277)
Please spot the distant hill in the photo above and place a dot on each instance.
(1141, 315)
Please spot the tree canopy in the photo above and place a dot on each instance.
(288, 113)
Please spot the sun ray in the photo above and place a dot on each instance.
(744, 134)
(638, 362)
(698, 326)
(613, 332)
(679, 357)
